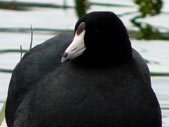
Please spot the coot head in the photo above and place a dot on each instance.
(99, 37)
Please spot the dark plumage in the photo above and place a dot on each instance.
(107, 86)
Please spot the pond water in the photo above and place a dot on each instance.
(157, 52)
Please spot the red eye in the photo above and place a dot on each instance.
(80, 28)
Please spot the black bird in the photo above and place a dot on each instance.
(98, 80)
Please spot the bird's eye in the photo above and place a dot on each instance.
(80, 28)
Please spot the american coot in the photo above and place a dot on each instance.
(98, 80)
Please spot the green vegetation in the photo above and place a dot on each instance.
(148, 8)
(37, 30)
(146, 31)
(81, 7)
(2, 113)
(16, 5)
(12, 50)
(159, 73)
(110, 5)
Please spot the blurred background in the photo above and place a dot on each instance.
(147, 22)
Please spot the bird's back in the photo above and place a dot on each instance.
(34, 65)
(80, 96)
